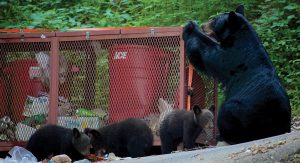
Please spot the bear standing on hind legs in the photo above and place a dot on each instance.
(256, 104)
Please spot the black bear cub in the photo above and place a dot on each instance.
(129, 138)
(256, 104)
(51, 140)
(183, 126)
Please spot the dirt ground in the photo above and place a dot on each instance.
(295, 158)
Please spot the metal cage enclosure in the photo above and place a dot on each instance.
(94, 77)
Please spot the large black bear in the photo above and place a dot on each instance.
(129, 138)
(256, 104)
(183, 126)
(51, 140)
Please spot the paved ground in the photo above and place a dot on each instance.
(282, 148)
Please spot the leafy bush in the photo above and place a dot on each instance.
(277, 22)
(279, 28)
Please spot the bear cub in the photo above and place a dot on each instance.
(183, 126)
(129, 138)
(51, 140)
(256, 104)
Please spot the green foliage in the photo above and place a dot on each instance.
(60, 14)
(279, 29)
(276, 22)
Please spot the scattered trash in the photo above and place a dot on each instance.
(256, 149)
(94, 158)
(83, 112)
(105, 158)
(61, 159)
(22, 155)
(35, 121)
(19, 155)
(83, 161)
(7, 129)
(23, 132)
(265, 148)
(112, 157)
(152, 122)
(43, 60)
(36, 105)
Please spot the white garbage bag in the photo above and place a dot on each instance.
(19, 155)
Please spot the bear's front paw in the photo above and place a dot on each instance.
(189, 29)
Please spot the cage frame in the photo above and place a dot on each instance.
(96, 34)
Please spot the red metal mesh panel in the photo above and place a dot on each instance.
(120, 78)
(138, 80)
(20, 86)
(204, 95)
(101, 81)
(86, 88)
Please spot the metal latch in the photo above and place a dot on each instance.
(152, 31)
(87, 35)
(43, 36)
(22, 37)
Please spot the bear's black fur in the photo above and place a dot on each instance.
(256, 104)
(51, 140)
(183, 126)
(129, 138)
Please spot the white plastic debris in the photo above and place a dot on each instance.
(19, 155)
(83, 161)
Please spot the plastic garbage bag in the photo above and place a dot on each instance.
(19, 155)
(83, 161)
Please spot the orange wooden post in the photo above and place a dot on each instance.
(190, 79)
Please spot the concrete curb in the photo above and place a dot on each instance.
(273, 149)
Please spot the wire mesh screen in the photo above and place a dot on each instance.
(204, 95)
(120, 78)
(22, 109)
(102, 80)
(86, 89)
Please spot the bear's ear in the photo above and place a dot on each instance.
(212, 108)
(76, 133)
(189, 28)
(232, 18)
(197, 109)
(234, 21)
(240, 9)
(87, 130)
(94, 133)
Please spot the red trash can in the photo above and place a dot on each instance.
(137, 75)
(21, 86)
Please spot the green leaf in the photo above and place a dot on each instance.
(290, 7)
(37, 16)
(126, 16)
(291, 17)
(108, 13)
(3, 3)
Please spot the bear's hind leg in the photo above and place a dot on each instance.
(167, 144)
(136, 148)
(230, 123)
